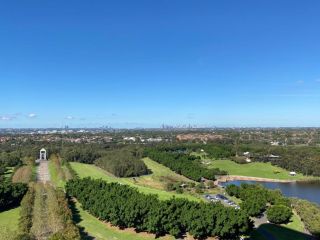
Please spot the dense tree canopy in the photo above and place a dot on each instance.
(124, 206)
(83, 154)
(11, 194)
(255, 197)
(123, 163)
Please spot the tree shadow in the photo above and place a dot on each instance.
(76, 218)
(275, 232)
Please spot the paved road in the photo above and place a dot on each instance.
(43, 174)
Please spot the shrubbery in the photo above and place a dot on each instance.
(279, 214)
(25, 221)
(124, 206)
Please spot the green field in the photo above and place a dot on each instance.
(9, 221)
(54, 176)
(255, 169)
(88, 170)
(102, 231)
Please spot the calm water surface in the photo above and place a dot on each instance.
(308, 191)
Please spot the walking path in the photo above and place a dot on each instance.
(257, 179)
(43, 172)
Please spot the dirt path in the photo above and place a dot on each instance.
(245, 178)
(43, 174)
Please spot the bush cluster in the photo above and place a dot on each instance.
(279, 214)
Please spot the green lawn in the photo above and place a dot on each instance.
(255, 169)
(9, 221)
(88, 170)
(54, 177)
(102, 231)
(295, 223)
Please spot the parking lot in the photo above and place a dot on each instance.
(221, 198)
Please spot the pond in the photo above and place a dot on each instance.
(304, 190)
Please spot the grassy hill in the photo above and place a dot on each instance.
(145, 184)
(160, 176)
(255, 169)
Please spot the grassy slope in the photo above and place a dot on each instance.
(86, 170)
(101, 231)
(160, 176)
(9, 220)
(255, 169)
(295, 223)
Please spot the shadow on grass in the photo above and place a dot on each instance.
(77, 219)
(276, 232)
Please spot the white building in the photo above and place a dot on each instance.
(293, 173)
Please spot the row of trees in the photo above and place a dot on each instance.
(23, 174)
(255, 198)
(124, 206)
(55, 224)
(182, 163)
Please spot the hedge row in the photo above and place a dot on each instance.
(124, 206)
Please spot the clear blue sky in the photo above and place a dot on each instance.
(144, 63)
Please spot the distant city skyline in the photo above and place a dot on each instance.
(146, 63)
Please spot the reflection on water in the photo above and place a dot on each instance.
(303, 190)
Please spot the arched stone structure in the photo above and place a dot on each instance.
(43, 154)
